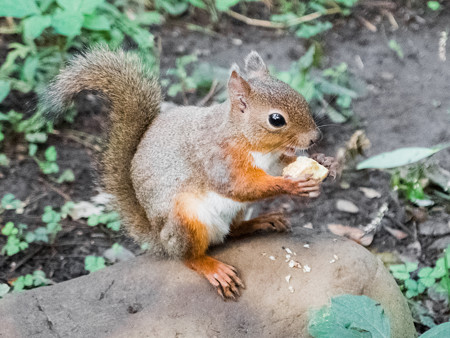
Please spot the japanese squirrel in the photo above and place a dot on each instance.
(183, 177)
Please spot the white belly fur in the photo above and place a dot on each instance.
(217, 213)
(269, 162)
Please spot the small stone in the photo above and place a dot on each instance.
(370, 193)
(387, 76)
(308, 225)
(347, 206)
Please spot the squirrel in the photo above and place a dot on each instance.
(182, 178)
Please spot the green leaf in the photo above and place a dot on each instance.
(197, 3)
(4, 289)
(224, 5)
(5, 87)
(68, 23)
(8, 229)
(50, 154)
(35, 25)
(4, 161)
(399, 157)
(94, 263)
(66, 176)
(427, 281)
(89, 6)
(96, 22)
(148, 18)
(307, 60)
(36, 138)
(425, 272)
(29, 69)
(411, 284)
(396, 48)
(70, 5)
(349, 316)
(439, 331)
(18, 8)
(348, 3)
(93, 220)
(433, 5)
(114, 226)
(307, 31)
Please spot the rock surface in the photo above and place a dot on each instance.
(150, 297)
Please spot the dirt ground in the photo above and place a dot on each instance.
(406, 103)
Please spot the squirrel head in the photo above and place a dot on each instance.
(268, 112)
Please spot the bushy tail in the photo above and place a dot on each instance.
(135, 98)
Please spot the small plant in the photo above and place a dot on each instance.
(15, 242)
(94, 263)
(184, 83)
(396, 48)
(410, 175)
(434, 5)
(30, 281)
(425, 278)
(332, 85)
(110, 219)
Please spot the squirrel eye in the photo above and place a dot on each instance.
(277, 120)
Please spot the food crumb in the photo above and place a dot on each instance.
(332, 261)
(306, 246)
(288, 257)
(306, 268)
(291, 289)
(335, 257)
(288, 278)
(288, 251)
(272, 258)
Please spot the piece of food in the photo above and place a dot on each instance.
(305, 166)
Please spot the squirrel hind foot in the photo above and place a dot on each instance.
(222, 276)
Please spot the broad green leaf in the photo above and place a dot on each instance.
(399, 157)
(36, 138)
(18, 8)
(348, 316)
(96, 22)
(224, 5)
(94, 263)
(197, 3)
(35, 25)
(70, 5)
(89, 6)
(50, 154)
(148, 18)
(433, 5)
(331, 88)
(174, 9)
(348, 3)
(68, 23)
(307, 60)
(5, 87)
(439, 331)
(425, 272)
(307, 31)
(66, 176)
(29, 69)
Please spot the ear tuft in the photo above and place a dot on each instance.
(255, 66)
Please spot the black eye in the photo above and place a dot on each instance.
(277, 120)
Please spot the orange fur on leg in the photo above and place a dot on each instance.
(220, 275)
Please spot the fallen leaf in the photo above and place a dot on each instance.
(347, 206)
(369, 192)
(396, 233)
(355, 234)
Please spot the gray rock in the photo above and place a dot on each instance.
(150, 297)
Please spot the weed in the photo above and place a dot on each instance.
(184, 83)
(94, 263)
(110, 219)
(30, 281)
(434, 5)
(332, 87)
(396, 48)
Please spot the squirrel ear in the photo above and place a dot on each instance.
(255, 66)
(238, 91)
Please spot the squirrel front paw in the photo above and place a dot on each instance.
(304, 186)
(328, 162)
